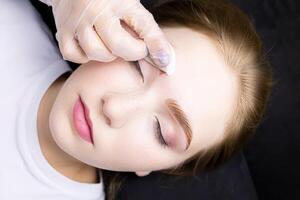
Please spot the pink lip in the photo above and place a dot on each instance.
(82, 122)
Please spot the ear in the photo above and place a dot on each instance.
(142, 173)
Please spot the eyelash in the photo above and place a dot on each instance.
(158, 134)
(138, 68)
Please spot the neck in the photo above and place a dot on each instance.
(56, 157)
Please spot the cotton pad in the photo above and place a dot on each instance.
(169, 69)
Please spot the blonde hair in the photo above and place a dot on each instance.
(237, 40)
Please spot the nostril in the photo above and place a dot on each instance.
(107, 119)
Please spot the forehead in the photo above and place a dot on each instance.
(202, 84)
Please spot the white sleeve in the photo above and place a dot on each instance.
(48, 2)
(26, 44)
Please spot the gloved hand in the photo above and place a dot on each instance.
(94, 30)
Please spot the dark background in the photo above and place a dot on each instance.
(273, 154)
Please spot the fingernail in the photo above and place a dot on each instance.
(166, 62)
(171, 66)
(161, 59)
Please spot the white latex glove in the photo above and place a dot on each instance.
(94, 30)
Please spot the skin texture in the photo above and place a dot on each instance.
(123, 108)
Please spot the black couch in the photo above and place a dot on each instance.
(268, 166)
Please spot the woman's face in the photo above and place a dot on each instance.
(125, 104)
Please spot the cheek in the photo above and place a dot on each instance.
(116, 76)
(133, 147)
(135, 138)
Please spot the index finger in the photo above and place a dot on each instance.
(144, 24)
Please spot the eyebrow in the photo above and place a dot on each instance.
(182, 119)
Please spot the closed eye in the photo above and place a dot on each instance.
(138, 68)
(158, 134)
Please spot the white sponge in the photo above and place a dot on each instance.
(170, 69)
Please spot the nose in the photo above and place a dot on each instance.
(117, 108)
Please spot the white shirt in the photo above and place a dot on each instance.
(29, 63)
